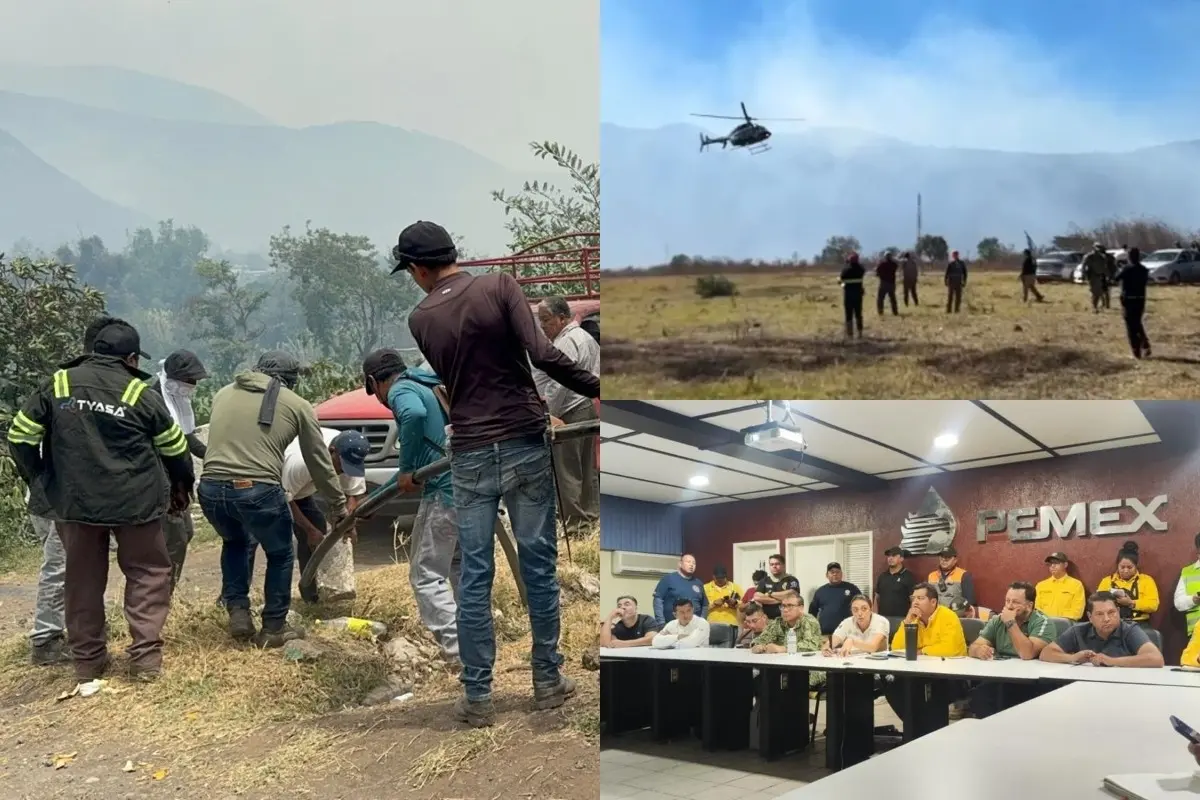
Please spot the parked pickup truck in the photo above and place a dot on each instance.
(356, 410)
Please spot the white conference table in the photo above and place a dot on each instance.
(1061, 745)
(1009, 670)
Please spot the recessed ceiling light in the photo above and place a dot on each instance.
(698, 480)
(946, 440)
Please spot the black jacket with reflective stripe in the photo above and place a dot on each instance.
(95, 442)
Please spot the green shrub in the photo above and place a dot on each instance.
(715, 286)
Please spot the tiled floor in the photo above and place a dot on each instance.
(634, 767)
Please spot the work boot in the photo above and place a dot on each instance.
(87, 673)
(277, 635)
(476, 713)
(50, 652)
(241, 625)
(548, 697)
(145, 674)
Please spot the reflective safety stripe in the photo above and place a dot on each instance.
(24, 430)
(1191, 584)
(62, 386)
(17, 436)
(133, 391)
(171, 442)
(26, 424)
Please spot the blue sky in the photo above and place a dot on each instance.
(1008, 74)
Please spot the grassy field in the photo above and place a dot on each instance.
(783, 336)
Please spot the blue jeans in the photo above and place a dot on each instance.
(246, 517)
(519, 470)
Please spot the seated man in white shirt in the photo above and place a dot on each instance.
(686, 630)
(863, 631)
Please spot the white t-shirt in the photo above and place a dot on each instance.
(675, 635)
(848, 629)
(297, 480)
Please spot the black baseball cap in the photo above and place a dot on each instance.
(352, 448)
(894, 551)
(1057, 557)
(424, 244)
(377, 362)
(719, 571)
(832, 565)
(948, 552)
(119, 339)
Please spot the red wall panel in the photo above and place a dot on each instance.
(1142, 472)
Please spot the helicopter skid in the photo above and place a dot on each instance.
(758, 149)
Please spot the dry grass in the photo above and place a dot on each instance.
(457, 752)
(783, 336)
(214, 695)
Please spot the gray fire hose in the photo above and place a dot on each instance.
(384, 493)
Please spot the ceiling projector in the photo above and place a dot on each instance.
(774, 436)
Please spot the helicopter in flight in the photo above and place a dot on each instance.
(748, 134)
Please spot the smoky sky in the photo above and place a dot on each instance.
(490, 75)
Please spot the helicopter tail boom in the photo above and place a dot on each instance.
(706, 141)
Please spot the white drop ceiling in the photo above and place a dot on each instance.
(888, 439)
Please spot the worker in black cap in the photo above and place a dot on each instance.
(952, 580)
(480, 336)
(894, 586)
(176, 381)
(96, 442)
(253, 421)
(831, 602)
(1060, 595)
(851, 280)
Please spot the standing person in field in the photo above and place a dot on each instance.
(1134, 278)
(910, 270)
(1029, 278)
(956, 281)
(852, 294)
(885, 270)
(481, 338)
(1095, 272)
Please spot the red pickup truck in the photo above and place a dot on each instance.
(356, 410)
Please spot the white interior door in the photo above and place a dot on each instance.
(749, 557)
(807, 559)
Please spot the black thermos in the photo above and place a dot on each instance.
(910, 641)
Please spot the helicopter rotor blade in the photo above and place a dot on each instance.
(715, 116)
(746, 114)
(779, 119)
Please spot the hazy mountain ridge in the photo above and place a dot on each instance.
(116, 89)
(664, 197)
(242, 183)
(60, 210)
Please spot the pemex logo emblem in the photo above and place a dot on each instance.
(930, 529)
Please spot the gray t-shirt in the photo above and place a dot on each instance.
(1124, 641)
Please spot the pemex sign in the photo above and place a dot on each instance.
(1095, 518)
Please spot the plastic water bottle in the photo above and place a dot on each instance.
(791, 641)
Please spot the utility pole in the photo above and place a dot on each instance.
(917, 246)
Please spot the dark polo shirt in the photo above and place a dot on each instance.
(1124, 641)
(895, 592)
(643, 625)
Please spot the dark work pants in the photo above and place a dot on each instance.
(910, 287)
(1135, 309)
(575, 471)
(178, 530)
(887, 291)
(312, 510)
(142, 557)
(852, 301)
(1028, 287)
(989, 698)
(1099, 288)
(954, 293)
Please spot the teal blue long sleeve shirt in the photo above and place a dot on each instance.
(421, 428)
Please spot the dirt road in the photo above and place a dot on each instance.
(410, 749)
